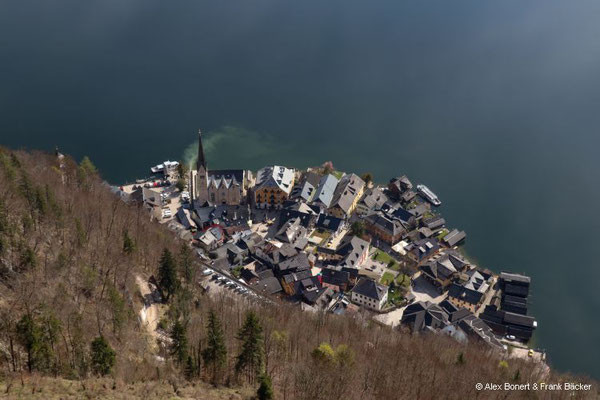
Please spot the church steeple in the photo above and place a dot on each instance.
(201, 163)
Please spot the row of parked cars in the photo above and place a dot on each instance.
(228, 283)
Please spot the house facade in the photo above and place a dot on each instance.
(273, 186)
(348, 192)
(369, 294)
(390, 230)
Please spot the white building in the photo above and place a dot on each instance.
(369, 294)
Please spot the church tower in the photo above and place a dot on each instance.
(201, 187)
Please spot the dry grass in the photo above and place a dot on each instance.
(45, 388)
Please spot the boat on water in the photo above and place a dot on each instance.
(429, 195)
(168, 165)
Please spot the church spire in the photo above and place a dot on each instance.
(201, 160)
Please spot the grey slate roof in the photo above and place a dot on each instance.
(454, 237)
(329, 223)
(422, 315)
(371, 289)
(298, 262)
(346, 191)
(465, 294)
(519, 319)
(510, 277)
(269, 285)
(434, 222)
(325, 190)
(304, 191)
(383, 222)
(291, 231)
(351, 249)
(444, 266)
(424, 247)
(306, 219)
(225, 177)
(476, 327)
(273, 255)
(401, 183)
(374, 198)
(320, 296)
(275, 176)
(335, 276)
(183, 218)
(297, 276)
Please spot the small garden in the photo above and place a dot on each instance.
(398, 287)
(382, 256)
(387, 278)
(237, 271)
(442, 234)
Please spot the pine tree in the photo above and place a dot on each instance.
(251, 357)
(128, 243)
(190, 368)
(265, 390)
(102, 356)
(29, 336)
(215, 353)
(167, 274)
(87, 165)
(186, 263)
(179, 344)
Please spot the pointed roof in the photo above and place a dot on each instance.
(201, 159)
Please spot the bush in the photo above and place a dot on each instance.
(102, 355)
(265, 390)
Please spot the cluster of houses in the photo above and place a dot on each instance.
(309, 237)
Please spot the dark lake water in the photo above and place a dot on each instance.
(495, 105)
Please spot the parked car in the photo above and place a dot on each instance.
(207, 272)
(511, 337)
(530, 353)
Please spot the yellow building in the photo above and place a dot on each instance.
(346, 196)
(273, 186)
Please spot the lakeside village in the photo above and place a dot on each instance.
(335, 242)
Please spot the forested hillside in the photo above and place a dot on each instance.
(72, 255)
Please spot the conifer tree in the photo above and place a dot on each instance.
(179, 344)
(29, 336)
(186, 263)
(128, 243)
(215, 353)
(265, 390)
(251, 357)
(190, 368)
(102, 356)
(167, 274)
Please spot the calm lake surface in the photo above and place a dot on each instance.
(494, 105)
